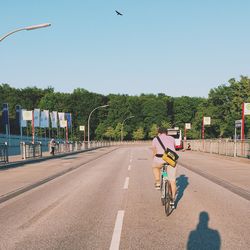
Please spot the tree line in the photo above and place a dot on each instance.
(147, 111)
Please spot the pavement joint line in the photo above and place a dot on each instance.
(126, 183)
(225, 184)
(19, 191)
(116, 237)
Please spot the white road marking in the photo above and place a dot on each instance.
(131, 160)
(129, 167)
(126, 183)
(115, 242)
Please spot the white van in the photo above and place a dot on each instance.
(176, 133)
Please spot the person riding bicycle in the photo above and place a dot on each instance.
(168, 142)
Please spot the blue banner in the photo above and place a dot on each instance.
(69, 120)
(5, 114)
(18, 115)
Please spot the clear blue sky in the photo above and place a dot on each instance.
(176, 47)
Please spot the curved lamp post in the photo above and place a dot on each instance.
(33, 27)
(103, 106)
(123, 124)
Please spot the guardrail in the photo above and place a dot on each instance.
(4, 157)
(35, 150)
(31, 150)
(239, 148)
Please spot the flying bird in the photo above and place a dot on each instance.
(118, 13)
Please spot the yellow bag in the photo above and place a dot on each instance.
(169, 156)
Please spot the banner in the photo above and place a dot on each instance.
(23, 122)
(63, 124)
(44, 119)
(18, 115)
(26, 115)
(5, 114)
(61, 116)
(68, 118)
(53, 118)
(246, 108)
(36, 118)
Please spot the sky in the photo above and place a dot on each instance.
(176, 47)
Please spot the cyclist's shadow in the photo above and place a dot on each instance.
(181, 183)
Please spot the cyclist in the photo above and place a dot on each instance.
(168, 142)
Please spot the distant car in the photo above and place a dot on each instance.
(176, 133)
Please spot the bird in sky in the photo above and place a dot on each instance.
(118, 13)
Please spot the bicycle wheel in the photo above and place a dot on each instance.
(163, 196)
(167, 199)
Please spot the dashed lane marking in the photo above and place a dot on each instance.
(126, 183)
(115, 242)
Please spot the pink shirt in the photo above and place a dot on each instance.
(168, 142)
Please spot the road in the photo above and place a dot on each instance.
(106, 200)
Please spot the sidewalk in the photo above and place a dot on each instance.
(14, 181)
(233, 170)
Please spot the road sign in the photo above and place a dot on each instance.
(238, 123)
(246, 108)
(187, 125)
(82, 128)
(207, 120)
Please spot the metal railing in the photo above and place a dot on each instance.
(240, 148)
(31, 150)
(4, 157)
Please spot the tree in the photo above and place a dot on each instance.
(138, 134)
(110, 133)
(153, 131)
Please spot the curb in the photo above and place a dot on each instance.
(45, 158)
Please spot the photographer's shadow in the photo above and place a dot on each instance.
(181, 183)
(204, 237)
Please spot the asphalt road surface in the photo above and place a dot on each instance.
(110, 203)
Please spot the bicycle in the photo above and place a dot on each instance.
(166, 193)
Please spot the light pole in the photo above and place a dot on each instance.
(123, 124)
(33, 27)
(103, 106)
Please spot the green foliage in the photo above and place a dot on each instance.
(138, 134)
(223, 105)
(153, 131)
(110, 133)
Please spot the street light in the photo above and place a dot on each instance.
(33, 27)
(123, 124)
(103, 106)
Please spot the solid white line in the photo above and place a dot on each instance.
(115, 242)
(129, 167)
(126, 183)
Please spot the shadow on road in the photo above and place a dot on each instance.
(181, 183)
(204, 237)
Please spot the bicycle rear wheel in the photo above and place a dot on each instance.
(167, 199)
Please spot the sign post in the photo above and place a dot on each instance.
(82, 128)
(187, 126)
(245, 111)
(205, 121)
(238, 124)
